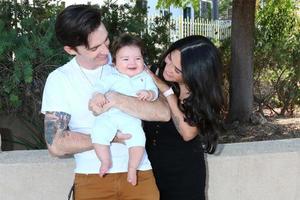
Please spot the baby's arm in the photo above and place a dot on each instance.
(146, 95)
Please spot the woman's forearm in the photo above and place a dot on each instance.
(186, 131)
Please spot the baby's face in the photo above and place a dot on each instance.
(129, 60)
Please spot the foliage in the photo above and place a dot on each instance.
(125, 18)
(224, 6)
(277, 56)
(178, 3)
(29, 138)
(29, 51)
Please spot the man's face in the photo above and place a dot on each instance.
(129, 60)
(97, 52)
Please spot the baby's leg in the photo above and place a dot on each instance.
(135, 156)
(136, 145)
(103, 153)
(103, 132)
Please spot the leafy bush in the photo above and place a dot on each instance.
(277, 56)
(29, 51)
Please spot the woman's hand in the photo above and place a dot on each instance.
(161, 85)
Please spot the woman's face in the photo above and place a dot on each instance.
(173, 70)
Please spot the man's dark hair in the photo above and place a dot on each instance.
(75, 23)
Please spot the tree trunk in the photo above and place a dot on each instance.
(241, 70)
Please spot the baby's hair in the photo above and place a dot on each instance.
(123, 40)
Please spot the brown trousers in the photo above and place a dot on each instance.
(114, 186)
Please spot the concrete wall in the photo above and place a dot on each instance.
(34, 175)
(268, 170)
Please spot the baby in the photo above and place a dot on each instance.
(128, 78)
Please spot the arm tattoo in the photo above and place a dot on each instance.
(55, 124)
(176, 121)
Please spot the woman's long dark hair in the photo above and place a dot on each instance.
(202, 73)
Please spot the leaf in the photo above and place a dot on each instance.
(14, 100)
(28, 73)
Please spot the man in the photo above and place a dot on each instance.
(68, 121)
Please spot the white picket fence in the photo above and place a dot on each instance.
(180, 27)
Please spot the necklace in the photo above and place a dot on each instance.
(86, 77)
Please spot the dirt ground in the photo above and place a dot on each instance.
(275, 128)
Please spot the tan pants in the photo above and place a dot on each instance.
(115, 187)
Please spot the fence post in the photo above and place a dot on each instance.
(219, 30)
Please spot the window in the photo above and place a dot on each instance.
(141, 4)
(187, 12)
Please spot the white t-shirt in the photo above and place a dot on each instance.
(68, 89)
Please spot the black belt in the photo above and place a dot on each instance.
(72, 193)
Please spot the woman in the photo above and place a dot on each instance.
(192, 68)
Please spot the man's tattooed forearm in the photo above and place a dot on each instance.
(50, 131)
(63, 118)
(55, 124)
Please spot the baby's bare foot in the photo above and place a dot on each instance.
(105, 166)
(131, 176)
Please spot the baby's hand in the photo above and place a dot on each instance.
(100, 99)
(145, 95)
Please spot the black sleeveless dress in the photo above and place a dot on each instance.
(178, 166)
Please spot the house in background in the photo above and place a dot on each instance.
(208, 8)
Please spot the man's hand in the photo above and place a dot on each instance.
(121, 137)
(96, 104)
(99, 99)
(112, 98)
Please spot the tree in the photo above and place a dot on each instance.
(241, 69)
(178, 3)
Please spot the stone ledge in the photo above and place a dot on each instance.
(249, 148)
(266, 170)
(30, 157)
